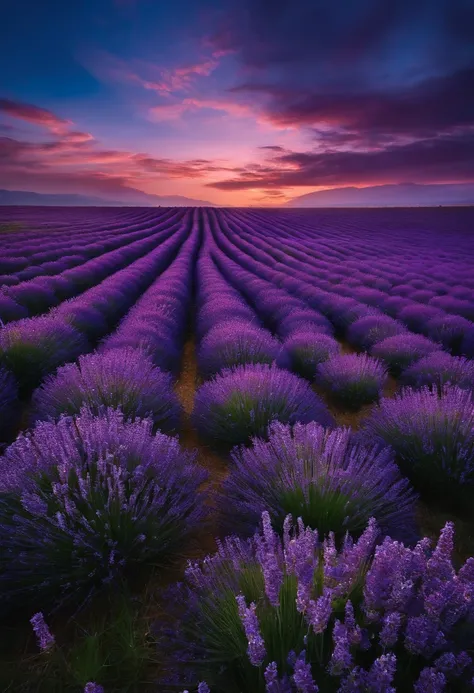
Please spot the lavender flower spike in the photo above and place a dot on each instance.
(256, 649)
(92, 687)
(203, 687)
(302, 677)
(42, 632)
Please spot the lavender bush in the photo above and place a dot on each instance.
(234, 343)
(439, 369)
(305, 349)
(432, 436)
(352, 379)
(120, 378)
(83, 499)
(367, 331)
(295, 615)
(33, 348)
(301, 319)
(449, 330)
(320, 475)
(402, 350)
(241, 403)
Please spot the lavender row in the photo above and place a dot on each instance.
(40, 294)
(34, 347)
(382, 292)
(54, 257)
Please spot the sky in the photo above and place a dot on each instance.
(239, 102)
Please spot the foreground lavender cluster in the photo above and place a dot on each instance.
(322, 475)
(91, 496)
(296, 614)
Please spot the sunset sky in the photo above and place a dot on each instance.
(245, 102)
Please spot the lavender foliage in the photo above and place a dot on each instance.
(320, 475)
(84, 500)
(401, 351)
(439, 369)
(305, 349)
(33, 348)
(353, 379)
(239, 404)
(124, 379)
(432, 435)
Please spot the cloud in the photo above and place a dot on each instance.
(172, 111)
(442, 159)
(35, 115)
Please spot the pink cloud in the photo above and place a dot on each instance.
(35, 115)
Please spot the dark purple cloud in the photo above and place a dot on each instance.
(442, 159)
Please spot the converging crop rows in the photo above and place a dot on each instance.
(331, 355)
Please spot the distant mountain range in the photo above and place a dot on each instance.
(132, 198)
(400, 195)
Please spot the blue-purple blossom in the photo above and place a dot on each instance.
(256, 645)
(92, 687)
(42, 632)
(369, 330)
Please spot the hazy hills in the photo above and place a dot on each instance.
(132, 198)
(399, 195)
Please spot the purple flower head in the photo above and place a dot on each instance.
(203, 687)
(121, 378)
(33, 348)
(439, 369)
(239, 404)
(42, 632)
(320, 475)
(256, 646)
(430, 681)
(353, 379)
(85, 497)
(234, 343)
(302, 676)
(92, 687)
(304, 350)
(402, 350)
(382, 673)
(417, 424)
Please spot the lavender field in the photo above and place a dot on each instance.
(236, 450)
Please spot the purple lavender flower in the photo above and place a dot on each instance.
(83, 498)
(42, 632)
(381, 674)
(203, 687)
(304, 320)
(417, 316)
(256, 645)
(320, 475)
(302, 676)
(353, 379)
(239, 404)
(304, 350)
(121, 378)
(341, 659)
(92, 687)
(432, 435)
(430, 681)
(439, 369)
(403, 350)
(33, 348)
